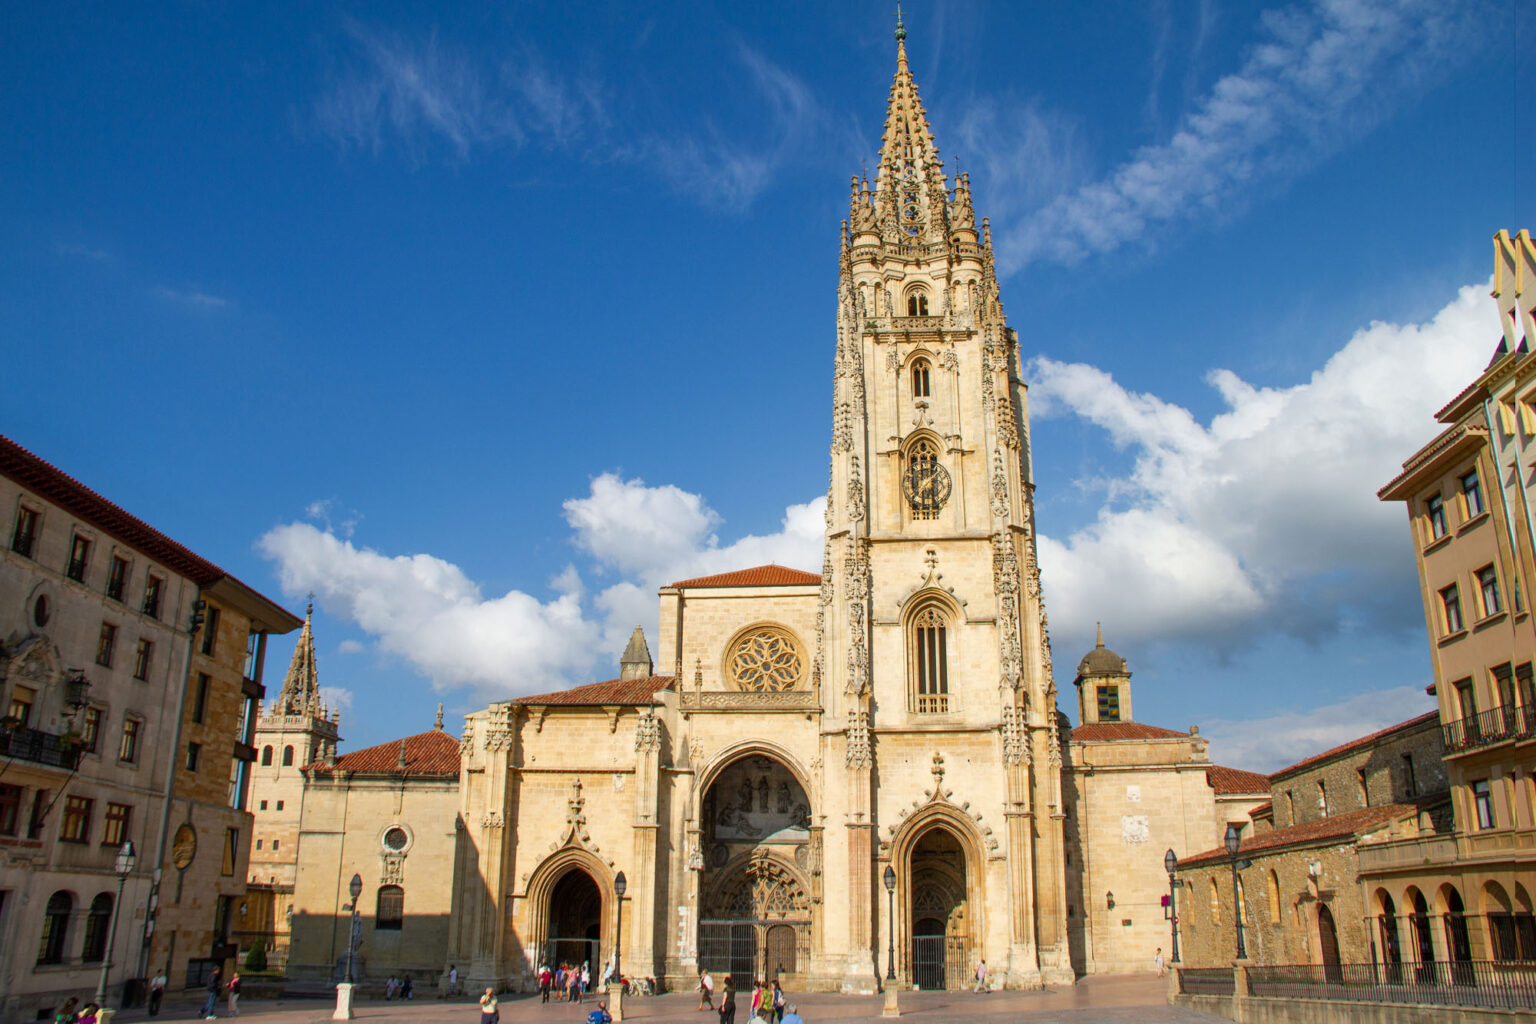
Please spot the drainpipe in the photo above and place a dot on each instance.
(198, 604)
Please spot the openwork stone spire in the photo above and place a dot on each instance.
(301, 686)
(909, 200)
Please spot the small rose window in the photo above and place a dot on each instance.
(396, 838)
(766, 660)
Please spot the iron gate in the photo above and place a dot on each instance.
(940, 961)
(729, 947)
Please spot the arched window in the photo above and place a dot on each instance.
(266, 757)
(96, 927)
(917, 303)
(1242, 903)
(287, 757)
(1215, 903)
(390, 911)
(925, 482)
(921, 370)
(1274, 898)
(55, 928)
(929, 654)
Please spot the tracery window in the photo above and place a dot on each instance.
(763, 891)
(765, 659)
(917, 303)
(929, 656)
(921, 372)
(925, 482)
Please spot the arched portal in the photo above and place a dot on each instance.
(1458, 942)
(938, 902)
(1391, 948)
(759, 851)
(1328, 943)
(574, 932)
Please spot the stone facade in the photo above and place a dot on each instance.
(130, 669)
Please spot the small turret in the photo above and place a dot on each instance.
(1103, 686)
(635, 663)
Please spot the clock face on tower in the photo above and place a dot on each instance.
(926, 485)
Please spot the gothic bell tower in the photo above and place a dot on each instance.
(933, 653)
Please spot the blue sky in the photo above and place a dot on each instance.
(481, 323)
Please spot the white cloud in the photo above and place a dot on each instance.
(337, 698)
(350, 647)
(192, 297)
(1265, 519)
(1279, 741)
(1319, 78)
(431, 614)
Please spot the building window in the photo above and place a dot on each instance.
(1290, 806)
(1434, 511)
(258, 844)
(276, 843)
(117, 578)
(210, 632)
(279, 805)
(50, 950)
(10, 809)
(930, 655)
(926, 483)
(1274, 898)
(96, 925)
(1322, 798)
(921, 369)
(128, 746)
(389, 913)
(194, 754)
(1488, 590)
(1524, 686)
(40, 611)
(105, 644)
(1450, 602)
(200, 699)
(143, 657)
(266, 762)
(79, 555)
(262, 806)
(25, 535)
(115, 826)
(153, 590)
(231, 851)
(1365, 790)
(287, 757)
(1215, 903)
(1482, 803)
(90, 729)
(917, 303)
(1242, 903)
(1109, 703)
(22, 698)
(1472, 493)
(76, 827)
(1513, 936)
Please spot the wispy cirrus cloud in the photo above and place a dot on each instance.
(191, 297)
(426, 97)
(81, 251)
(1318, 77)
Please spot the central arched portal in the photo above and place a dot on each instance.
(575, 922)
(755, 922)
(939, 903)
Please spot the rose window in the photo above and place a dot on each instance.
(766, 660)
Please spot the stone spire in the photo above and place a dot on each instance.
(301, 687)
(910, 189)
(635, 663)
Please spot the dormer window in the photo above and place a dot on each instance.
(921, 372)
(917, 303)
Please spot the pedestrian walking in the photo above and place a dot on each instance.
(981, 977)
(232, 996)
(585, 982)
(490, 1013)
(727, 1001)
(706, 991)
(1157, 961)
(453, 979)
(214, 985)
(544, 981)
(157, 991)
(778, 1002)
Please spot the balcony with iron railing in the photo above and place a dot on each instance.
(1466, 983)
(1496, 725)
(40, 747)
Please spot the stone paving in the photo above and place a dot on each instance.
(1128, 999)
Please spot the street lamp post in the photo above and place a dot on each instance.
(123, 865)
(1233, 843)
(892, 1005)
(1171, 865)
(343, 1009)
(616, 980)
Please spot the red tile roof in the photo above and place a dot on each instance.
(427, 753)
(48, 481)
(762, 576)
(1363, 741)
(1339, 826)
(1124, 731)
(612, 691)
(1235, 780)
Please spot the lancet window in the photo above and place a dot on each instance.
(922, 371)
(929, 655)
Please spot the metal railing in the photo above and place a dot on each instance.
(40, 747)
(1492, 726)
(1206, 981)
(1480, 983)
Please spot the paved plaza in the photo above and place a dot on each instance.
(1132, 998)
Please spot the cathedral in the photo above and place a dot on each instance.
(828, 778)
